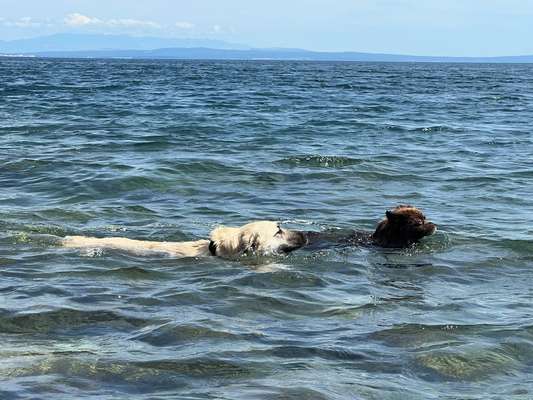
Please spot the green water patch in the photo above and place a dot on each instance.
(276, 278)
(310, 352)
(6, 261)
(65, 319)
(418, 336)
(518, 246)
(351, 312)
(26, 165)
(131, 376)
(467, 365)
(171, 334)
(63, 214)
(201, 368)
(194, 166)
(137, 208)
(124, 273)
(26, 230)
(286, 305)
(36, 239)
(113, 186)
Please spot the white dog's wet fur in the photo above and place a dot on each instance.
(260, 237)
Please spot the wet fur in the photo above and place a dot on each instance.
(198, 248)
(402, 227)
(262, 237)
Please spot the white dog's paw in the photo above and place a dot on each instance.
(271, 267)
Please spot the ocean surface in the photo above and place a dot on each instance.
(167, 150)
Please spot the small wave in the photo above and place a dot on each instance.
(32, 165)
(281, 277)
(519, 246)
(170, 334)
(129, 273)
(434, 128)
(152, 145)
(38, 239)
(468, 365)
(130, 183)
(135, 376)
(349, 312)
(319, 161)
(63, 319)
(312, 352)
(421, 336)
(203, 166)
(199, 368)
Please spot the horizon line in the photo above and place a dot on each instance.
(247, 47)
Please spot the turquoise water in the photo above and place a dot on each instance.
(167, 150)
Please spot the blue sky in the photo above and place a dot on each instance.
(424, 27)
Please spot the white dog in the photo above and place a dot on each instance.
(261, 237)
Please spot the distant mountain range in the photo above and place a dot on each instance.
(120, 46)
(90, 42)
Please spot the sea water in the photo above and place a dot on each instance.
(168, 150)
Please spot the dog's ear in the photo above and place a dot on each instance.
(395, 216)
(249, 242)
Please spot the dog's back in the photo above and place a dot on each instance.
(198, 248)
(337, 238)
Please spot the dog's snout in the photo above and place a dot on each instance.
(294, 241)
(431, 228)
(299, 238)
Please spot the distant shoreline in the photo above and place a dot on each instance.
(82, 46)
(264, 55)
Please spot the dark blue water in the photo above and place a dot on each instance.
(168, 150)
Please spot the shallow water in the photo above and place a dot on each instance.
(166, 150)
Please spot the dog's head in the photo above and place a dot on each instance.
(403, 226)
(261, 237)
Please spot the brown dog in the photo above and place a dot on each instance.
(402, 226)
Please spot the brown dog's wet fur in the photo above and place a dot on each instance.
(402, 227)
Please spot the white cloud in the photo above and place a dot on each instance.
(217, 28)
(24, 22)
(78, 20)
(184, 25)
(131, 23)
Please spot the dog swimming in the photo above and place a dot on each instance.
(402, 227)
(263, 238)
